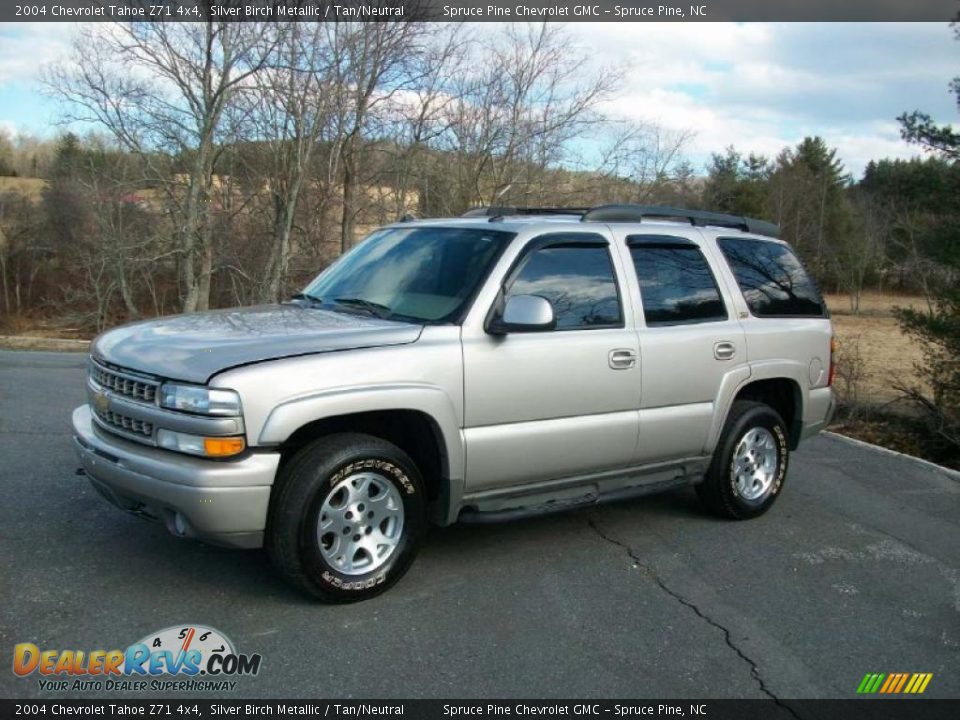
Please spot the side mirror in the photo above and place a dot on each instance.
(524, 313)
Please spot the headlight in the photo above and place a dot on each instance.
(199, 399)
(203, 446)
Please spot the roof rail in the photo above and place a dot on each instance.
(700, 218)
(497, 212)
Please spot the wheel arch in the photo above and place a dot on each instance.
(420, 422)
(775, 385)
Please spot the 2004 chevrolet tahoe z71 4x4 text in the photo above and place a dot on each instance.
(502, 364)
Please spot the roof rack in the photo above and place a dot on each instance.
(699, 218)
(637, 213)
(497, 212)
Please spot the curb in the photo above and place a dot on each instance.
(952, 474)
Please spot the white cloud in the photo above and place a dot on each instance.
(758, 86)
(26, 47)
(763, 86)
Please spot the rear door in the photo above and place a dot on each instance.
(691, 342)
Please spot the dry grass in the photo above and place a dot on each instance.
(888, 356)
(31, 188)
(21, 342)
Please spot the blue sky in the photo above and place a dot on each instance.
(758, 86)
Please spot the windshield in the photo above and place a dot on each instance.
(424, 274)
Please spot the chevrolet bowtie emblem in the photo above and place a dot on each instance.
(101, 402)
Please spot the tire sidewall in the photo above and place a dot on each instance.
(767, 418)
(396, 468)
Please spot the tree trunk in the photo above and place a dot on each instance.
(3, 277)
(206, 272)
(349, 199)
(125, 293)
(195, 232)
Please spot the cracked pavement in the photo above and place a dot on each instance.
(855, 570)
(639, 564)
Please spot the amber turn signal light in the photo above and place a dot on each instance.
(223, 446)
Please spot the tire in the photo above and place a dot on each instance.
(758, 434)
(328, 482)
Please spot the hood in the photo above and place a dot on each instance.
(196, 347)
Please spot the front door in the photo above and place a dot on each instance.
(545, 405)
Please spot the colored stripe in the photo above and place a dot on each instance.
(903, 680)
(862, 687)
(913, 681)
(888, 683)
(876, 683)
(926, 681)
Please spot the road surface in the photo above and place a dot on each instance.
(856, 570)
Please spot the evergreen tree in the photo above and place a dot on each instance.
(939, 328)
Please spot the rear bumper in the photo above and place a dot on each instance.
(222, 502)
(819, 411)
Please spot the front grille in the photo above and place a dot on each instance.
(123, 383)
(125, 423)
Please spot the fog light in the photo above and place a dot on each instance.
(202, 446)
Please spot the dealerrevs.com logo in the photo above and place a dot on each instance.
(177, 658)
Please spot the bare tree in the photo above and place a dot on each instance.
(289, 113)
(856, 253)
(372, 63)
(419, 116)
(516, 112)
(640, 161)
(162, 90)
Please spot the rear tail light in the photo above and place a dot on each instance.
(833, 361)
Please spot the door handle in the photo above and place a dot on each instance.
(622, 359)
(724, 350)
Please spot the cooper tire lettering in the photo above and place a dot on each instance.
(294, 536)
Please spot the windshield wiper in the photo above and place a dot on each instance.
(308, 297)
(374, 308)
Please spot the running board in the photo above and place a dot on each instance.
(589, 498)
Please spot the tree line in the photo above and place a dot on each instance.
(227, 163)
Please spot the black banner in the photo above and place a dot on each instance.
(865, 709)
(478, 11)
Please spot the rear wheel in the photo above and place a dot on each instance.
(749, 464)
(347, 517)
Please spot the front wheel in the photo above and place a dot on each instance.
(749, 465)
(347, 517)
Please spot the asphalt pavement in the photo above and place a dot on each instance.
(855, 570)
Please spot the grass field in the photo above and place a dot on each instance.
(873, 340)
(31, 188)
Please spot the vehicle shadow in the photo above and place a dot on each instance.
(153, 557)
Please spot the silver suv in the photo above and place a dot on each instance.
(504, 364)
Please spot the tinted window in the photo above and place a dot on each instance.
(676, 285)
(578, 280)
(427, 274)
(771, 277)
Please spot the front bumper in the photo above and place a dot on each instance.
(222, 502)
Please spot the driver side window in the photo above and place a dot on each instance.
(577, 279)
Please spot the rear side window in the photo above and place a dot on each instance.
(578, 280)
(676, 285)
(771, 278)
